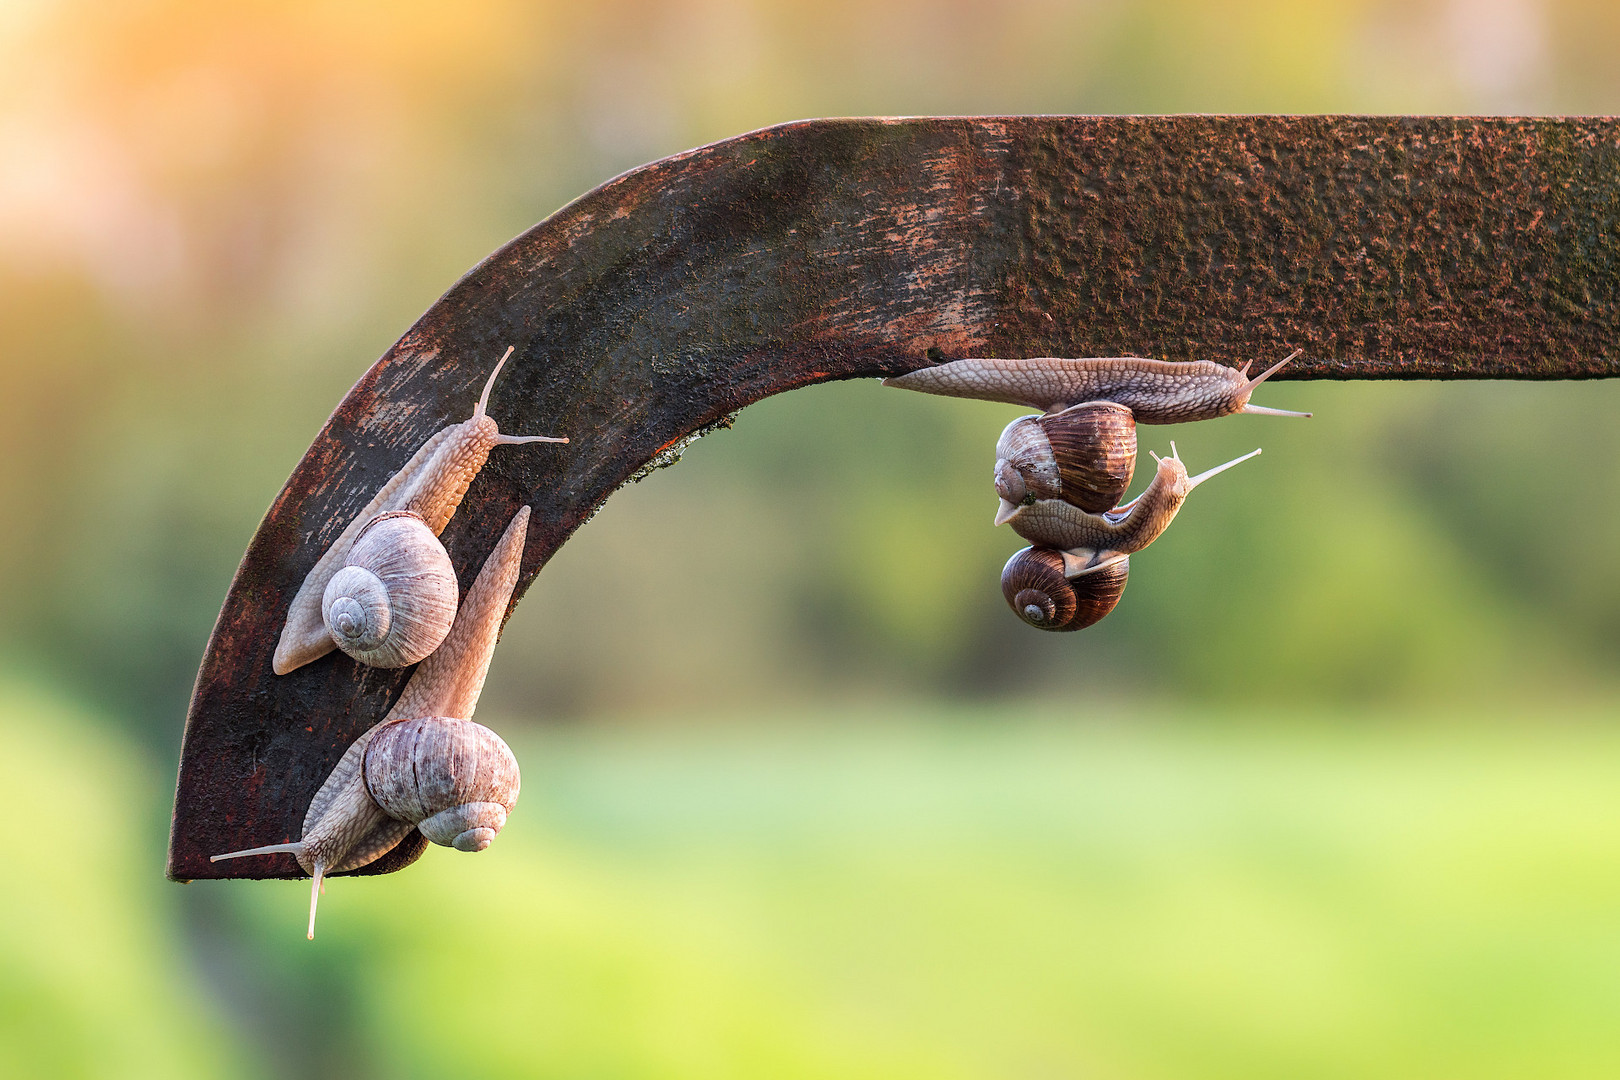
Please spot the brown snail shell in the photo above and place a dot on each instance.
(1041, 594)
(1084, 455)
(394, 601)
(455, 779)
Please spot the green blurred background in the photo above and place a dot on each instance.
(1331, 795)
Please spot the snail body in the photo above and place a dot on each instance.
(426, 766)
(1156, 391)
(431, 485)
(1039, 589)
(1095, 538)
(454, 779)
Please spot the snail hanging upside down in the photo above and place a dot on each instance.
(1156, 391)
(1060, 475)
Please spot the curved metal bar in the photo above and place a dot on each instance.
(662, 302)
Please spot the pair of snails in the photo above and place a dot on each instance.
(380, 594)
(1060, 475)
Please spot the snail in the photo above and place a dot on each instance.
(1088, 540)
(395, 598)
(426, 766)
(1156, 391)
(1084, 455)
(1040, 592)
(431, 485)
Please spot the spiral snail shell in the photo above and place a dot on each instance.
(457, 780)
(431, 485)
(1084, 455)
(1041, 593)
(395, 599)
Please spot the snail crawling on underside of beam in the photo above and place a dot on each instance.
(1060, 475)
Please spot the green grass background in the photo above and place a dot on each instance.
(1120, 892)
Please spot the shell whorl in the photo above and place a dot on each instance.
(456, 780)
(395, 600)
(1085, 455)
(1026, 468)
(1038, 591)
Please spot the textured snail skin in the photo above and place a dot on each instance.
(435, 489)
(431, 485)
(344, 828)
(1156, 391)
(1094, 538)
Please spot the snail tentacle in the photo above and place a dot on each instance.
(267, 849)
(481, 409)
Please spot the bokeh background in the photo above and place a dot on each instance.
(1333, 793)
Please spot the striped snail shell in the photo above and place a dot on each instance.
(1040, 593)
(395, 598)
(1084, 455)
(456, 780)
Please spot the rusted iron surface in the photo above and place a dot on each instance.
(673, 296)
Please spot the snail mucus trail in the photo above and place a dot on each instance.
(1059, 475)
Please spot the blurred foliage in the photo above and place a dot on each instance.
(894, 893)
(91, 980)
(214, 217)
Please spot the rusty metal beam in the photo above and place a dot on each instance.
(672, 296)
